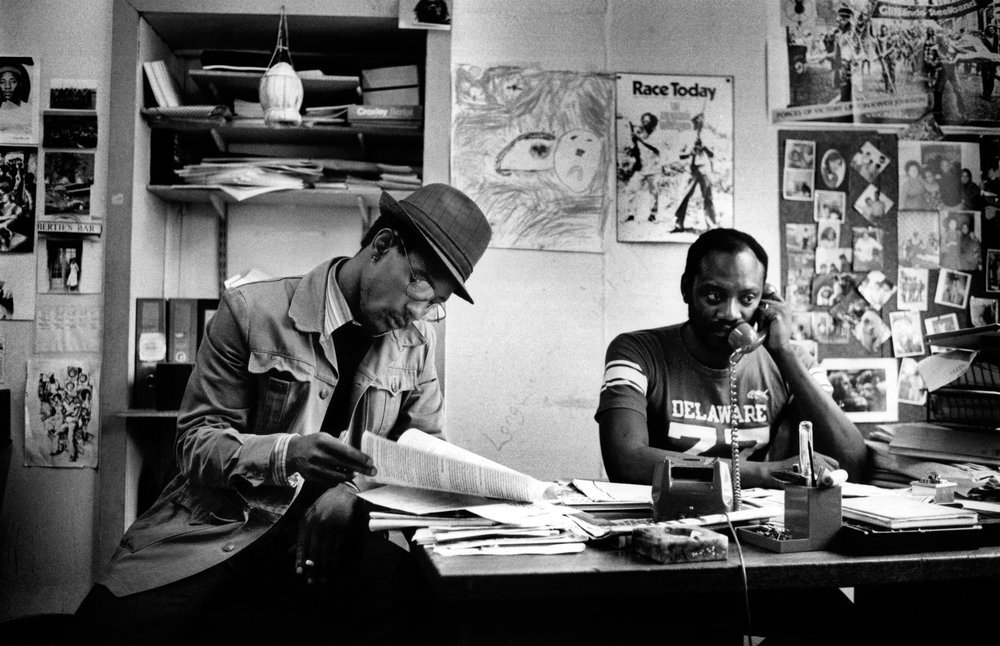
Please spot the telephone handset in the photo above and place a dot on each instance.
(745, 337)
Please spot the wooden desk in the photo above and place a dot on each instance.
(596, 584)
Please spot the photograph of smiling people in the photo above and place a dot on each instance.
(291, 372)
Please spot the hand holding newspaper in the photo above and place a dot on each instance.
(420, 460)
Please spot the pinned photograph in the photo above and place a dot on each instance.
(953, 288)
(72, 94)
(851, 308)
(829, 233)
(911, 385)
(19, 106)
(942, 164)
(982, 311)
(993, 270)
(800, 238)
(919, 239)
(907, 338)
(829, 205)
(912, 285)
(872, 204)
(801, 267)
(800, 154)
(938, 324)
(869, 161)
(961, 246)
(70, 131)
(18, 170)
(871, 331)
(822, 327)
(797, 185)
(865, 389)
(832, 168)
(801, 326)
(833, 261)
(877, 289)
(424, 14)
(68, 180)
(797, 295)
(830, 288)
(867, 249)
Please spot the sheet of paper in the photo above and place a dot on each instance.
(420, 501)
(939, 370)
(507, 550)
(525, 514)
(614, 491)
(420, 460)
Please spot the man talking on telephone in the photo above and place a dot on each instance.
(668, 389)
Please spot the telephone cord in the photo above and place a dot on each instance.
(734, 431)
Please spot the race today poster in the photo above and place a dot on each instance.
(674, 145)
(872, 61)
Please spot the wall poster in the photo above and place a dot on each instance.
(61, 425)
(874, 61)
(19, 105)
(674, 142)
(533, 149)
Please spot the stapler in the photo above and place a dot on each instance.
(686, 486)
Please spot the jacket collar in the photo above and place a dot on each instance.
(309, 308)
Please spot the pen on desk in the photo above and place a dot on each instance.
(812, 469)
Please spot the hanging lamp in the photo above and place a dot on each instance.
(280, 88)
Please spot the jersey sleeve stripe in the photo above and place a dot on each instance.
(624, 373)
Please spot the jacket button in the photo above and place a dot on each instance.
(323, 394)
(229, 547)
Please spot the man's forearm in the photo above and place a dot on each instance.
(835, 435)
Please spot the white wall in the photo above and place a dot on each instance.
(46, 524)
(525, 363)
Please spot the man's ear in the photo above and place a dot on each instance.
(382, 242)
(685, 287)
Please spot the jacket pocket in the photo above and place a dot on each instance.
(385, 396)
(282, 382)
(185, 511)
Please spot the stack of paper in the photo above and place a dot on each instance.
(259, 171)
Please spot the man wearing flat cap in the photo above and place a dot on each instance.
(261, 529)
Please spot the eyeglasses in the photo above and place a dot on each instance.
(419, 289)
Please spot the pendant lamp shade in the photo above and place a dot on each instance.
(280, 88)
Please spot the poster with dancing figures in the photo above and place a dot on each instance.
(60, 412)
(874, 61)
(674, 141)
(533, 149)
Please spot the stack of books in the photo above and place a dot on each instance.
(398, 177)
(169, 104)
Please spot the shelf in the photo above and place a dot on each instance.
(367, 197)
(224, 85)
(139, 413)
(253, 131)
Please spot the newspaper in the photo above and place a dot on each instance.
(420, 460)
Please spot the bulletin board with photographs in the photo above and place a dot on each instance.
(887, 240)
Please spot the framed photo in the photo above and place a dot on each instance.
(953, 288)
(907, 338)
(865, 389)
(19, 106)
(912, 288)
(911, 385)
(829, 205)
(832, 168)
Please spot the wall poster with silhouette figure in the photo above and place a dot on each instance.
(533, 149)
(674, 146)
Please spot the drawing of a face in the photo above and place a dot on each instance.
(577, 157)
